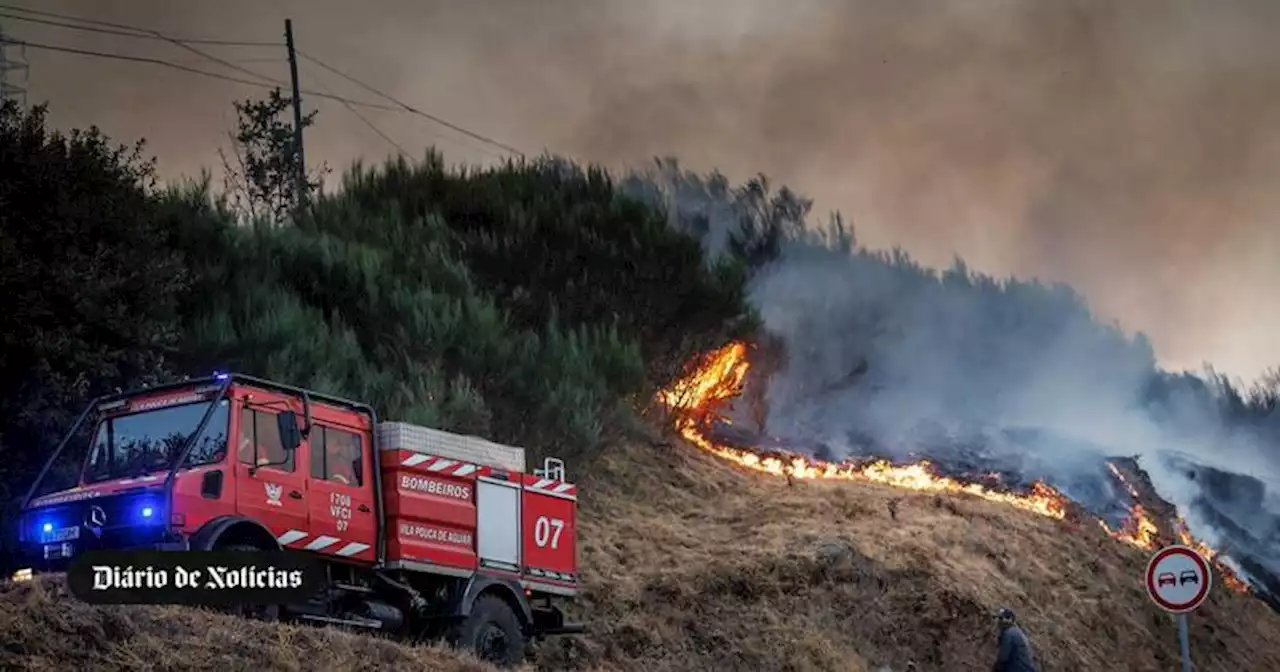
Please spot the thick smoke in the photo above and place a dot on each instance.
(1127, 148)
(887, 358)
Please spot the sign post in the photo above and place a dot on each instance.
(1178, 580)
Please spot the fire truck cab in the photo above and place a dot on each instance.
(423, 533)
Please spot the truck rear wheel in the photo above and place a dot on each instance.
(491, 632)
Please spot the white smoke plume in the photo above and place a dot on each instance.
(887, 358)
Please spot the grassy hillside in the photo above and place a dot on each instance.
(691, 564)
(540, 303)
(43, 628)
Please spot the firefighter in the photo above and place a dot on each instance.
(245, 451)
(1015, 649)
(264, 452)
(343, 460)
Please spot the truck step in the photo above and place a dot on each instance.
(564, 629)
(346, 587)
(358, 622)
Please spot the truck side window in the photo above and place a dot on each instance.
(211, 447)
(259, 428)
(336, 456)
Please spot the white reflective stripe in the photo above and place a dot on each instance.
(465, 470)
(126, 481)
(548, 493)
(149, 478)
(543, 483)
(319, 543)
(441, 464)
(414, 460)
(290, 537)
(352, 548)
(563, 487)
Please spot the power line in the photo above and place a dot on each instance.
(109, 28)
(266, 59)
(138, 32)
(221, 61)
(188, 69)
(351, 108)
(411, 109)
(375, 129)
(127, 33)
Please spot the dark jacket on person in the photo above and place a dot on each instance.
(1015, 652)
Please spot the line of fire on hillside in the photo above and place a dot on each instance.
(696, 402)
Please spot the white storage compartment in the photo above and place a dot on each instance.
(498, 525)
(473, 449)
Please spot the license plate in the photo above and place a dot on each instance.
(61, 534)
(55, 551)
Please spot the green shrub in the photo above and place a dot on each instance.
(520, 303)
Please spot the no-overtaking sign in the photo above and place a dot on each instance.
(1178, 579)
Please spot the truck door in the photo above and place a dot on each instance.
(272, 494)
(341, 483)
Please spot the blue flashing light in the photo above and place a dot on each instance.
(217, 375)
(146, 513)
(47, 527)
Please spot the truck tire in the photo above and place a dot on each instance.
(257, 612)
(491, 632)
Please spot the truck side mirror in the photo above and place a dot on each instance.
(290, 435)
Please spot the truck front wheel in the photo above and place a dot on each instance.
(257, 612)
(492, 632)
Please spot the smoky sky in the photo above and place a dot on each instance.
(1129, 149)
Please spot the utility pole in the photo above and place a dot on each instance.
(301, 185)
(8, 88)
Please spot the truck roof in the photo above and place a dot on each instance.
(464, 448)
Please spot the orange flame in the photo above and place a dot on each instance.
(1138, 529)
(694, 402)
(1229, 576)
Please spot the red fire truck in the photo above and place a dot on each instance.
(423, 532)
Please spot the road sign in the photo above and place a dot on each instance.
(1178, 579)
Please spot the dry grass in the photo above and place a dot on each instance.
(691, 564)
(43, 628)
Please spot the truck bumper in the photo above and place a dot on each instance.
(36, 558)
(182, 544)
(564, 629)
(550, 621)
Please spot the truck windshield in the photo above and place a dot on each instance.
(140, 443)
